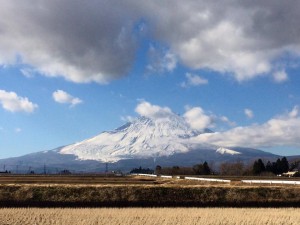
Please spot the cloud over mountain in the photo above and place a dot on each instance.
(153, 111)
(278, 131)
(195, 117)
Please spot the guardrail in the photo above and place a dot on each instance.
(291, 182)
(207, 179)
(271, 182)
(143, 174)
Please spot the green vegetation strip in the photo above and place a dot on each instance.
(141, 195)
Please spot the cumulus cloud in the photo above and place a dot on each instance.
(197, 118)
(278, 131)
(239, 38)
(65, 98)
(249, 113)
(10, 101)
(86, 41)
(280, 76)
(153, 111)
(193, 80)
(80, 41)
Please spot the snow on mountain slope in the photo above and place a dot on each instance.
(223, 151)
(142, 138)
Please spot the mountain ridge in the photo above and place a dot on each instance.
(143, 142)
(144, 137)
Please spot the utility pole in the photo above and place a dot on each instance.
(45, 169)
(106, 168)
(29, 170)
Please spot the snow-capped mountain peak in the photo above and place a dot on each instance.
(142, 138)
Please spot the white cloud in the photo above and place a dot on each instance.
(161, 61)
(193, 80)
(238, 38)
(197, 119)
(65, 98)
(80, 41)
(97, 41)
(280, 76)
(278, 131)
(10, 101)
(295, 112)
(153, 111)
(249, 113)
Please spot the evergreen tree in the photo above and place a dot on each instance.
(258, 167)
(202, 169)
(206, 169)
(269, 167)
(278, 166)
(295, 165)
(275, 167)
(284, 165)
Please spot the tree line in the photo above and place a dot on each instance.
(238, 168)
(198, 169)
(278, 167)
(258, 167)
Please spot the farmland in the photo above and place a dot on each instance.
(153, 216)
(130, 191)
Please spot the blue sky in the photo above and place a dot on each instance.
(71, 69)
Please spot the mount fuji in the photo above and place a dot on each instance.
(145, 142)
(142, 138)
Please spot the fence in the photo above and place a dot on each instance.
(207, 179)
(143, 174)
(271, 182)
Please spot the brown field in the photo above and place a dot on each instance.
(74, 179)
(130, 191)
(151, 216)
(102, 179)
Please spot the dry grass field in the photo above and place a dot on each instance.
(153, 216)
(130, 191)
